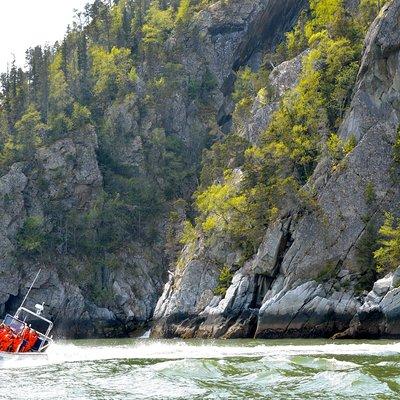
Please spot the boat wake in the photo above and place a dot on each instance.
(61, 353)
(176, 370)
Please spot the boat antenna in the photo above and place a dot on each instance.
(34, 281)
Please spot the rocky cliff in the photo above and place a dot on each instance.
(52, 198)
(303, 280)
(102, 145)
(65, 176)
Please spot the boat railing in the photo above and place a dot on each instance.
(17, 324)
(45, 337)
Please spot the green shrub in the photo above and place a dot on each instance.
(229, 153)
(159, 23)
(388, 254)
(247, 85)
(369, 9)
(80, 117)
(194, 89)
(370, 194)
(338, 149)
(31, 237)
(224, 281)
(328, 272)
(183, 12)
(189, 234)
(349, 144)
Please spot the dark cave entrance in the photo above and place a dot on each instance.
(11, 305)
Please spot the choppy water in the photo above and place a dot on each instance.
(146, 369)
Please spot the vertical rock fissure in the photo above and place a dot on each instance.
(263, 283)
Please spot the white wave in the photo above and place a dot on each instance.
(179, 350)
(173, 350)
(145, 335)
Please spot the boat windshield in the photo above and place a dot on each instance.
(15, 324)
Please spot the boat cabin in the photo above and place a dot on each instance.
(24, 318)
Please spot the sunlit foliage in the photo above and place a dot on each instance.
(388, 255)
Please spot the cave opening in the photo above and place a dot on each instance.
(11, 305)
(262, 284)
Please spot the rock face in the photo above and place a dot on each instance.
(299, 283)
(282, 78)
(220, 40)
(378, 316)
(189, 291)
(114, 299)
(66, 174)
(308, 310)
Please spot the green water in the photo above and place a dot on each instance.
(146, 369)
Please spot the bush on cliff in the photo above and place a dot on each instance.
(388, 255)
(224, 281)
(300, 132)
(32, 237)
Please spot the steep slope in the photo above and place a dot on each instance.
(77, 204)
(302, 281)
(65, 176)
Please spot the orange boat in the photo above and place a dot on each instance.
(21, 335)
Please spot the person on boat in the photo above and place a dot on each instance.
(7, 342)
(3, 329)
(3, 332)
(25, 338)
(32, 339)
(16, 343)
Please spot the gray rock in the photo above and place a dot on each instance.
(382, 286)
(343, 274)
(377, 317)
(274, 243)
(307, 310)
(238, 297)
(396, 279)
(70, 168)
(195, 282)
(282, 78)
(286, 75)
